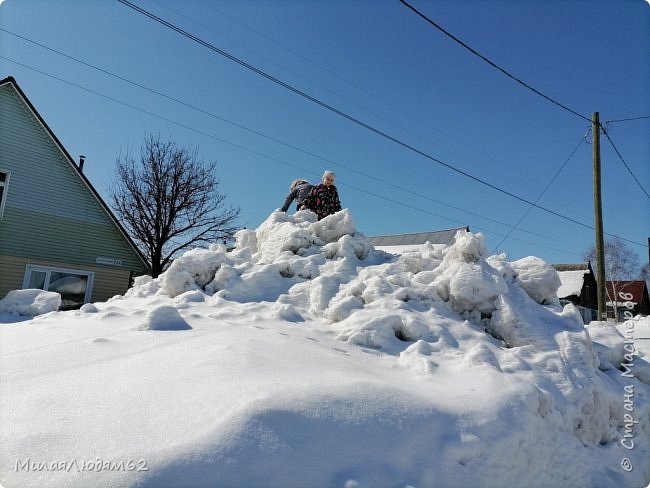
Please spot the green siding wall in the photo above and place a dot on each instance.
(42, 179)
(38, 235)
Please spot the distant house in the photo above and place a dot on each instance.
(400, 243)
(634, 293)
(579, 287)
(56, 233)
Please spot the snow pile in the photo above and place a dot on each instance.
(30, 302)
(305, 357)
(164, 317)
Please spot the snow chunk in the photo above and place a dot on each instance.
(466, 280)
(225, 277)
(193, 296)
(519, 320)
(282, 232)
(143, 286)
(89, 308)
(470, 287)
(192, 271)
(30, 302)
(468, 247)
(287, 312)
(348, 246)
(246, 239)
(334, 226)
(418, 358)
(164, 317)
(608, 344)
(538, 278)
(377, 333)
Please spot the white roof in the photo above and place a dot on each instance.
(402, 249)
(571, 282)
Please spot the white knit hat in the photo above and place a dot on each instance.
(328, 173)
(296, 183)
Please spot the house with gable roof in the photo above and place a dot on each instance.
(579, 287)
(627, 296)
(56, 232)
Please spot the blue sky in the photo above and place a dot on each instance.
(381, 64)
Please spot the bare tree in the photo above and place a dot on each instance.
(644, 274)
(169, 201)
(621, 264)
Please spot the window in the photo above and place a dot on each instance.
(4, 184)
(74, 286)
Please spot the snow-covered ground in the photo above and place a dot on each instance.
(306, 358)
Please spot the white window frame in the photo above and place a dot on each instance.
(48, 270)
(5, 189)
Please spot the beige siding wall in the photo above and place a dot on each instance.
(108, 281)
(12, 271)
(112, 282)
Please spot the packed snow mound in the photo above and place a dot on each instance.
(284, 250)
(30, 302)
(288, 252)
(307, 357)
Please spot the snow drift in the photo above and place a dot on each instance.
(30, 302)
(305, 357)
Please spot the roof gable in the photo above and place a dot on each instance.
(64, 157)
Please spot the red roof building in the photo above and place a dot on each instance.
(630, 296)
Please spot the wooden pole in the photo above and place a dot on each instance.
(598, 215)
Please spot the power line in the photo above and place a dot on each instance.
(548, 185)
(295, 166)
(289, 70)
(491, 63)
(174, 122)
(343, 114)
(627, 120)
(356, 86)
(225, 120)
(240, 126)
(253, 131)
(624, 163)
(338, 76)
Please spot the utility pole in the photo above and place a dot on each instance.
(598, 215)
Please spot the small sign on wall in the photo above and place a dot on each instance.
(108, 261)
